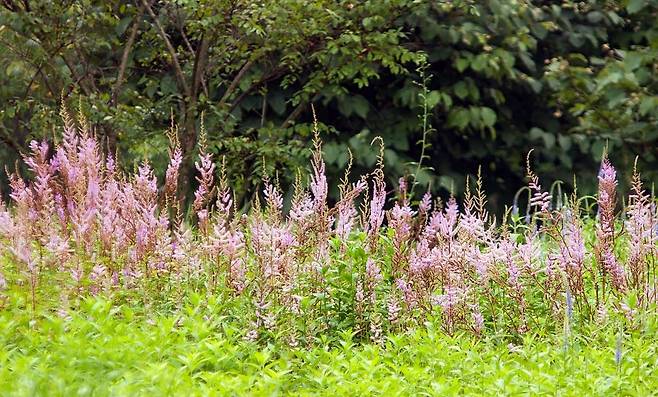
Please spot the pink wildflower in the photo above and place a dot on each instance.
(171, 176)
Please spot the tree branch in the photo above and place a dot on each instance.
(263, 112)
(53, 93)
(204, 47)
(234, 84)
(200, 61)
(181, 28)
(274, 75)
(78, 79)
(9, 4)
(89, 71)
(11, 142)
(39, 72)
(297, 112)
(172, 51)
(124, 57)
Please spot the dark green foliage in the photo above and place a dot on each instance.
(566, 79)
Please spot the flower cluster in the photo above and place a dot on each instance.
(369, 267)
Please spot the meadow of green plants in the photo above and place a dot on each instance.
(471, 211)
(108, 286)
(108, 349)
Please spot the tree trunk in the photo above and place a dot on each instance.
(188, 141)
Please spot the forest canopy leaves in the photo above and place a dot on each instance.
(505, 76)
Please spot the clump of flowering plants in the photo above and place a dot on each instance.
(372, 263)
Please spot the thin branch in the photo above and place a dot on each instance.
(200, 61)
(26, 57)
(78, 79)
(297, 112)
(180, 24)
(181, 28)
(32, 80)
(234, 84)
(47, 83)
(11, 142)
(274, 75)
(48, 56)
(124, 57)
(39, 72)
(263, 114)
(89, 72)
(172, 51)
(204, 58)
(9, 4)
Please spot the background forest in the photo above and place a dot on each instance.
(449, 85)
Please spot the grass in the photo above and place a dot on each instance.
(106, 349)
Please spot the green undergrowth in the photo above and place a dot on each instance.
(102, 348)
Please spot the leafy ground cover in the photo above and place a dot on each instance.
(104, 349)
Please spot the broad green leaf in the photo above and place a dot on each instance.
(648, 104)
(488, 116)
(479, 62)
(461, 90)
(634, 6)
(461, 64)
(433, 98)
(458, 117)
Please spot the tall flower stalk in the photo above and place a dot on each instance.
(610, 268)
(79, 221)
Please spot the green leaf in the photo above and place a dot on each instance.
(168, 85)
(447, 183)
(461, 90)
(595, 16)
(123, 24)
(331, 151)
(615, 96)
(647, 104)
(479, 63)
(597, 149)
(356, 104)
(447, 100)
(343, 157)
(475, 119)
(633, 60)
(528, 62)
(277, 102)
(549, 140)
(536, 133)
(547, 137)
(15, 68)
(576, 39)
(458, 117)
(361, 106)
(473, 91)
(461, 64)
(634, 6)
(488, 116)
(534, 84)
(433, 98)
